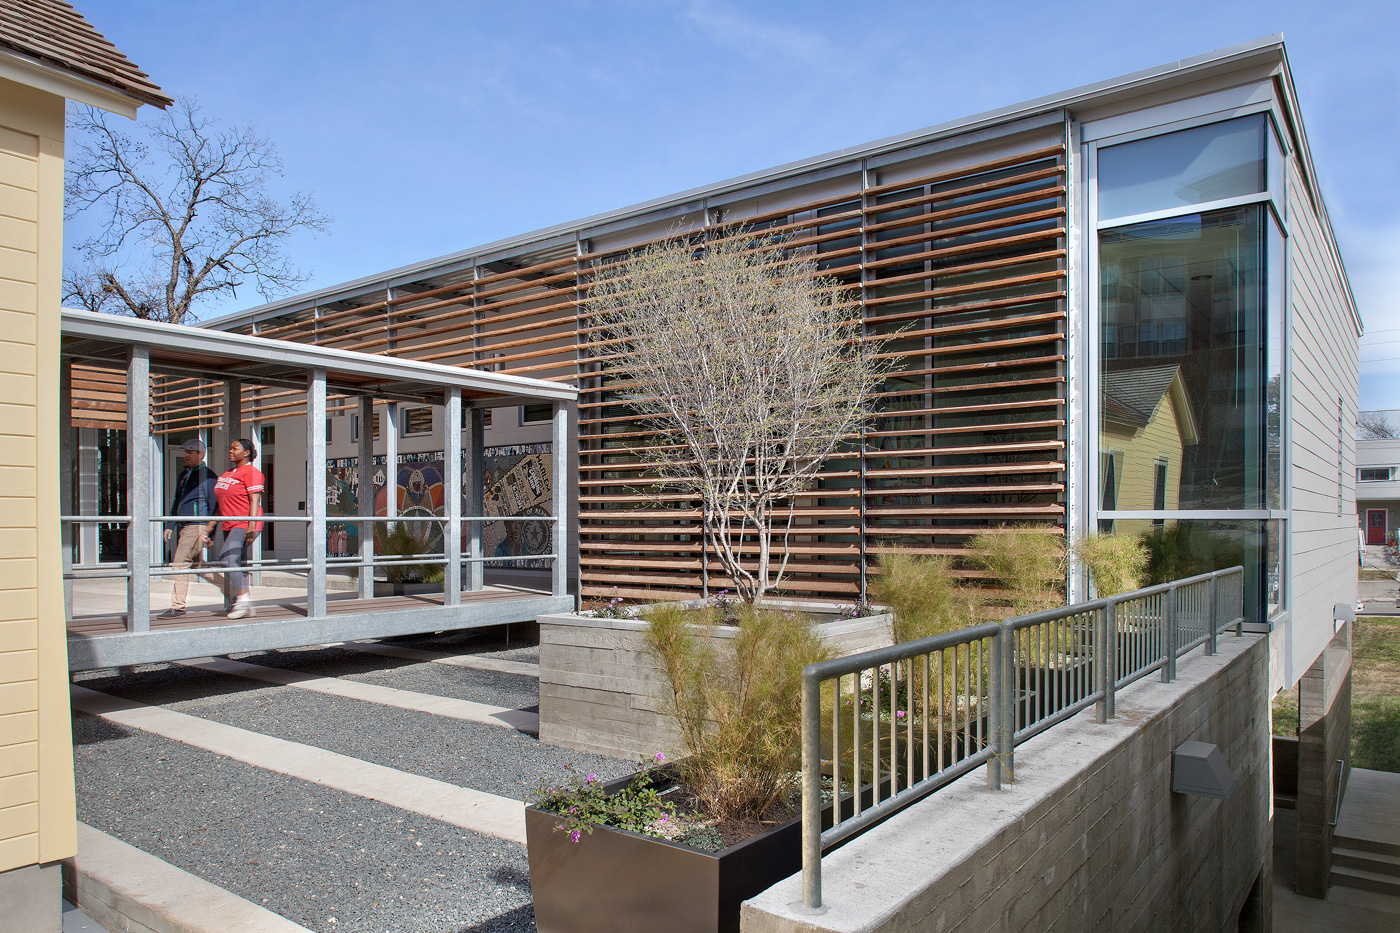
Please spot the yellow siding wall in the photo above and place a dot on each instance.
(1139, 452)
(36, 757)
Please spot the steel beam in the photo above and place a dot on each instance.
(138, 497)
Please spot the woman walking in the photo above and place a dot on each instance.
(238, 493)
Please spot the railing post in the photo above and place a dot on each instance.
(316, 493)
(1169, 634)
(996, 716)
(1007, 737)
(562, 531)
(1101, 661)
(138, 489)
(811, 791)
(1213, 615)
(1110, 660)
(1239, 626)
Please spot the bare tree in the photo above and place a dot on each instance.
(186, 213)
(754, 371)
(1373, 425)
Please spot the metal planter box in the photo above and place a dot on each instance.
(615, 881)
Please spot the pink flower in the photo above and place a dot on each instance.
(592, 778)
(575, 836)
(663, 818)
(899, 714)
(660, 757)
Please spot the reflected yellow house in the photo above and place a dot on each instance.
(1146, 425)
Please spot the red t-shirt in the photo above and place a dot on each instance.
(234, 492)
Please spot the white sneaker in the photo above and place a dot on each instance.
(242, 609)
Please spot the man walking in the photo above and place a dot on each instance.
(194, 496)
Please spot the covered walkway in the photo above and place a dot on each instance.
(218, 386)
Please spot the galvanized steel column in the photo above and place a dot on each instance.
(390, 432)
(476, 495)
(67, 472)
(364, 498)
(561, 499)
(1169, 634)
(316, 493)
(811, 790)
(452, 493)
(138, 498)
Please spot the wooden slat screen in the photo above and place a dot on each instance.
(967, 265)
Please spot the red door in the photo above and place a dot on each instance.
(1375, 526)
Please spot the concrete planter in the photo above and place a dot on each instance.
(615, 881)
(601, 692)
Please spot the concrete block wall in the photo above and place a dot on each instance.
(602, 692)
(1090, 835)
(1324, 758)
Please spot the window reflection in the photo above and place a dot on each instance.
(1207, 163)
(1183, 371)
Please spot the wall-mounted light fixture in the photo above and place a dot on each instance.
(1199, 769)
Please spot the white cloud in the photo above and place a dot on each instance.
(758, 38)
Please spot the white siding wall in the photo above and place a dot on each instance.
(1323, 360)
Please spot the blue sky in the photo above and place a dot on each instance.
(426, 128)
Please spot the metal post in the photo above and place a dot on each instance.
(1007, 737)
(233, 419)
(89, 464)
(1101, 652)
(811, 791)
(561, 499)
(364, 498)
(996, 715)
(138, 497)
(1110, 681)
(1169, 634)
(67, 472)
(476, 495)
(316, 493)
(389, 430)
(1212, 615)
(452, 493)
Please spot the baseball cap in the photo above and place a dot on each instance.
(195, 444)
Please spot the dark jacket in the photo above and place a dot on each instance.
(194, 494)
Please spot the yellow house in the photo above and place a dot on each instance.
(48, 55)
(1147, 423)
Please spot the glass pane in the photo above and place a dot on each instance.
(1178, 549)
(1182, 381)
(1206, 163)
(1273, 385)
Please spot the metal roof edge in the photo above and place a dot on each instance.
(97, 326)
(1175, 72)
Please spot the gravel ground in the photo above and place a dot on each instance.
(487, 758)
(515, 691)
(331, 861)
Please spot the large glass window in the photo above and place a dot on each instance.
(1188, 410)
(1207, 163)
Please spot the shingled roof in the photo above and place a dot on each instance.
(53, 33)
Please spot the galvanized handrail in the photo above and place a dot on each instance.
(967, 698)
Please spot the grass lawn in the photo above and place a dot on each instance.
(1375, 696)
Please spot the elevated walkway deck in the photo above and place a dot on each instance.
(98, 638)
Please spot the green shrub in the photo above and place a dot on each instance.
(399, 539)
(922, 594)
(1116, 562)
(1027, 562)
(737, 702)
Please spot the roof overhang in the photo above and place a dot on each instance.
(214, 354)
(34, 73)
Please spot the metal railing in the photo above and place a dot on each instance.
(885, 728)
(367, 558)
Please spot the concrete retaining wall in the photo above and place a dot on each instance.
(601, 692)
(1090, 837)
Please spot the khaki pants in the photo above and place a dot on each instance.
(188, 553)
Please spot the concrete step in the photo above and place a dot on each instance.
(1366, 880)
(1359, 844)
(1377, 862)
